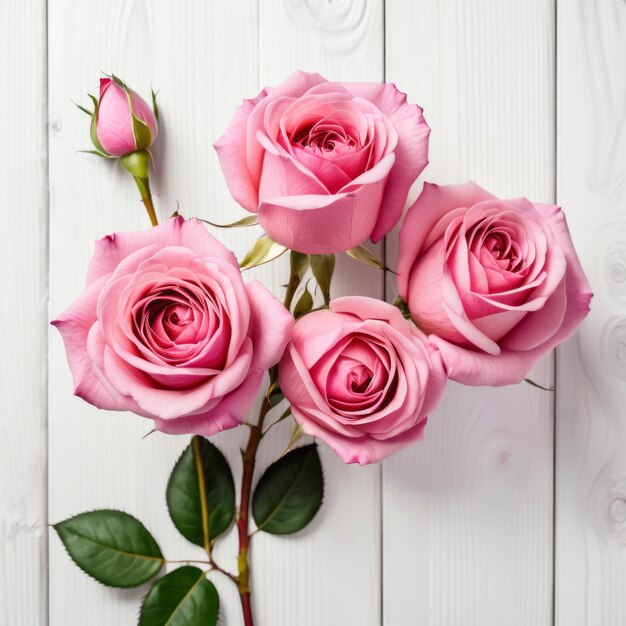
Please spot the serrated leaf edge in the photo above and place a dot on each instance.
(188, 594)
(277, 507)
(89, 575)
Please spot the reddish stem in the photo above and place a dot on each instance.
(249, 462)
(246, 606)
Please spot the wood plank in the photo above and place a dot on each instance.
(203, 60)
(468, 513)
(23, 327)
(98, 459)
(591, 422)
(330, 574)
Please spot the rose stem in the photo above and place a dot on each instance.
(249, 461)
(146, 197)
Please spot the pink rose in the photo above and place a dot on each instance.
(361, 378)
(167, 329)
(325, 165)
(116, 131)
(496, 283)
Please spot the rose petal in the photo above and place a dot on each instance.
(411, 152)
(432, 204)
(270, 325)
(301, 222)
(192, 234)
(361, 450)
(231, 411)
(74, 325)
(231, 152)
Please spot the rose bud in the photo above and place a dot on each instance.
(167, 328)
(325, 165)
(123, 122)
(495, 283)
(361, 378)
(124, 126)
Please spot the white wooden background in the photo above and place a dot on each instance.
(513, 510)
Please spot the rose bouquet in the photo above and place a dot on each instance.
(168, 328)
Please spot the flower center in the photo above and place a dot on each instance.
(324, 137)
(182, 324)
(496, 246)
(360, 378)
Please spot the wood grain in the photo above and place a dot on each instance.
(23, 263)
(467, 514)
(455, 531)
(203, 62)
(591, 422)
(98, 459)
(332, 574)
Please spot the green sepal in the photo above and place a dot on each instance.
(201, 493)
(94, 124)
(83, 109)
(299, 264)
(250, 220)
(304, 303)
(263, 251)
(141, 131)
(137, 164)
(274, 394)
(183, 597)
(119, 82)
(323, 266)
(96, 153)
(297, 433)
(111, 546)
(155, 108)
(532, 383)
(284, 415)
(363, 255)
(290, 492)
(404, 309)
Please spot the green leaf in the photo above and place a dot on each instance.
(323, 266)
(251, 220)
(290, 492)
(112, 547)
(263, 251)
(201, 493)
(299, 264)
(404, 308)
(363, 255)
(182, 598)
(304, 304)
